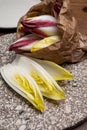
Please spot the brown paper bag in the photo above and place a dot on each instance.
(72, 48)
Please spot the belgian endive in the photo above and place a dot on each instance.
(44, 25)
(32, 43)
(24, 43)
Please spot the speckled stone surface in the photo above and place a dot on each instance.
(18, 114)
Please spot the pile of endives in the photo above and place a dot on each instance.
(33, 79)
(40, 32)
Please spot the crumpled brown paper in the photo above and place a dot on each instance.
(72, 48)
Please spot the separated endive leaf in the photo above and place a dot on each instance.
(56, 71)
(18, 79)
(44, 80)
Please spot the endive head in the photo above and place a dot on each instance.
(44, 25)
(32, 42)
(24, 43)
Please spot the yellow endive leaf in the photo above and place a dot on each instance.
(55, 70)
(48, 88)
(23, 84)
(45, 43)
